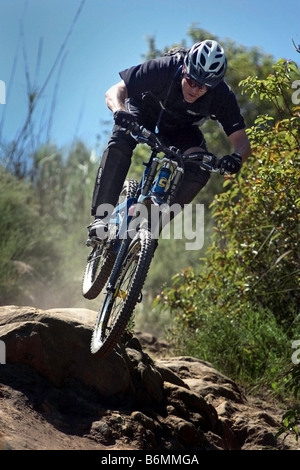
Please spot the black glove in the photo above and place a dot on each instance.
(125, 120)
(230, 163)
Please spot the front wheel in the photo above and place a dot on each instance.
(121, 299)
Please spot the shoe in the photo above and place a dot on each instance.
(98, 230)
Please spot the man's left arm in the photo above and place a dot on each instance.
(240, 143)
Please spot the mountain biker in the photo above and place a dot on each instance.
(170, 95)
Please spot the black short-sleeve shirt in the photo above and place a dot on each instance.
(155, 93)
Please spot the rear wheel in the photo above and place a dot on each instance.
(102, 257)
(97, 271)
(120, 301)
(129, 190)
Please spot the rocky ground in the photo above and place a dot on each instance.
(56, 395)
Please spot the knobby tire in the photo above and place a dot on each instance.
(97, 271)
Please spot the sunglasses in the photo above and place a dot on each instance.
(192, 83)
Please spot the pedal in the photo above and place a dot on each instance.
(89, 242)
(92, 242)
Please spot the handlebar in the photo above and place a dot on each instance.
(206, 160)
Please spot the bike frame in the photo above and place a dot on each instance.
(123, 215)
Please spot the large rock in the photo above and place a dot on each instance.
(66, 398)
(56, 344)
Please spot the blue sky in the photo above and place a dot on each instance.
(108, 36)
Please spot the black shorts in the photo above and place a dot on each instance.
(183, 137)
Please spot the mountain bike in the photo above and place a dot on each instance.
(121, 262)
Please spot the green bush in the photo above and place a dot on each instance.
(27, 241)
(43, 220)
(249, 347)
(250, 275)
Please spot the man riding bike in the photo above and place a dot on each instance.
(170, 95)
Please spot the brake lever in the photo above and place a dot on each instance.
(143, 135)
(207, 161)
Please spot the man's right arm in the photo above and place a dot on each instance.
(115, 97)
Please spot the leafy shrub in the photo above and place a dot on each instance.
(251, 271)
(27, 240)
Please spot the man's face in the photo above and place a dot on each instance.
(191, 90)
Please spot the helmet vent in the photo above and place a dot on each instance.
(214, 66)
